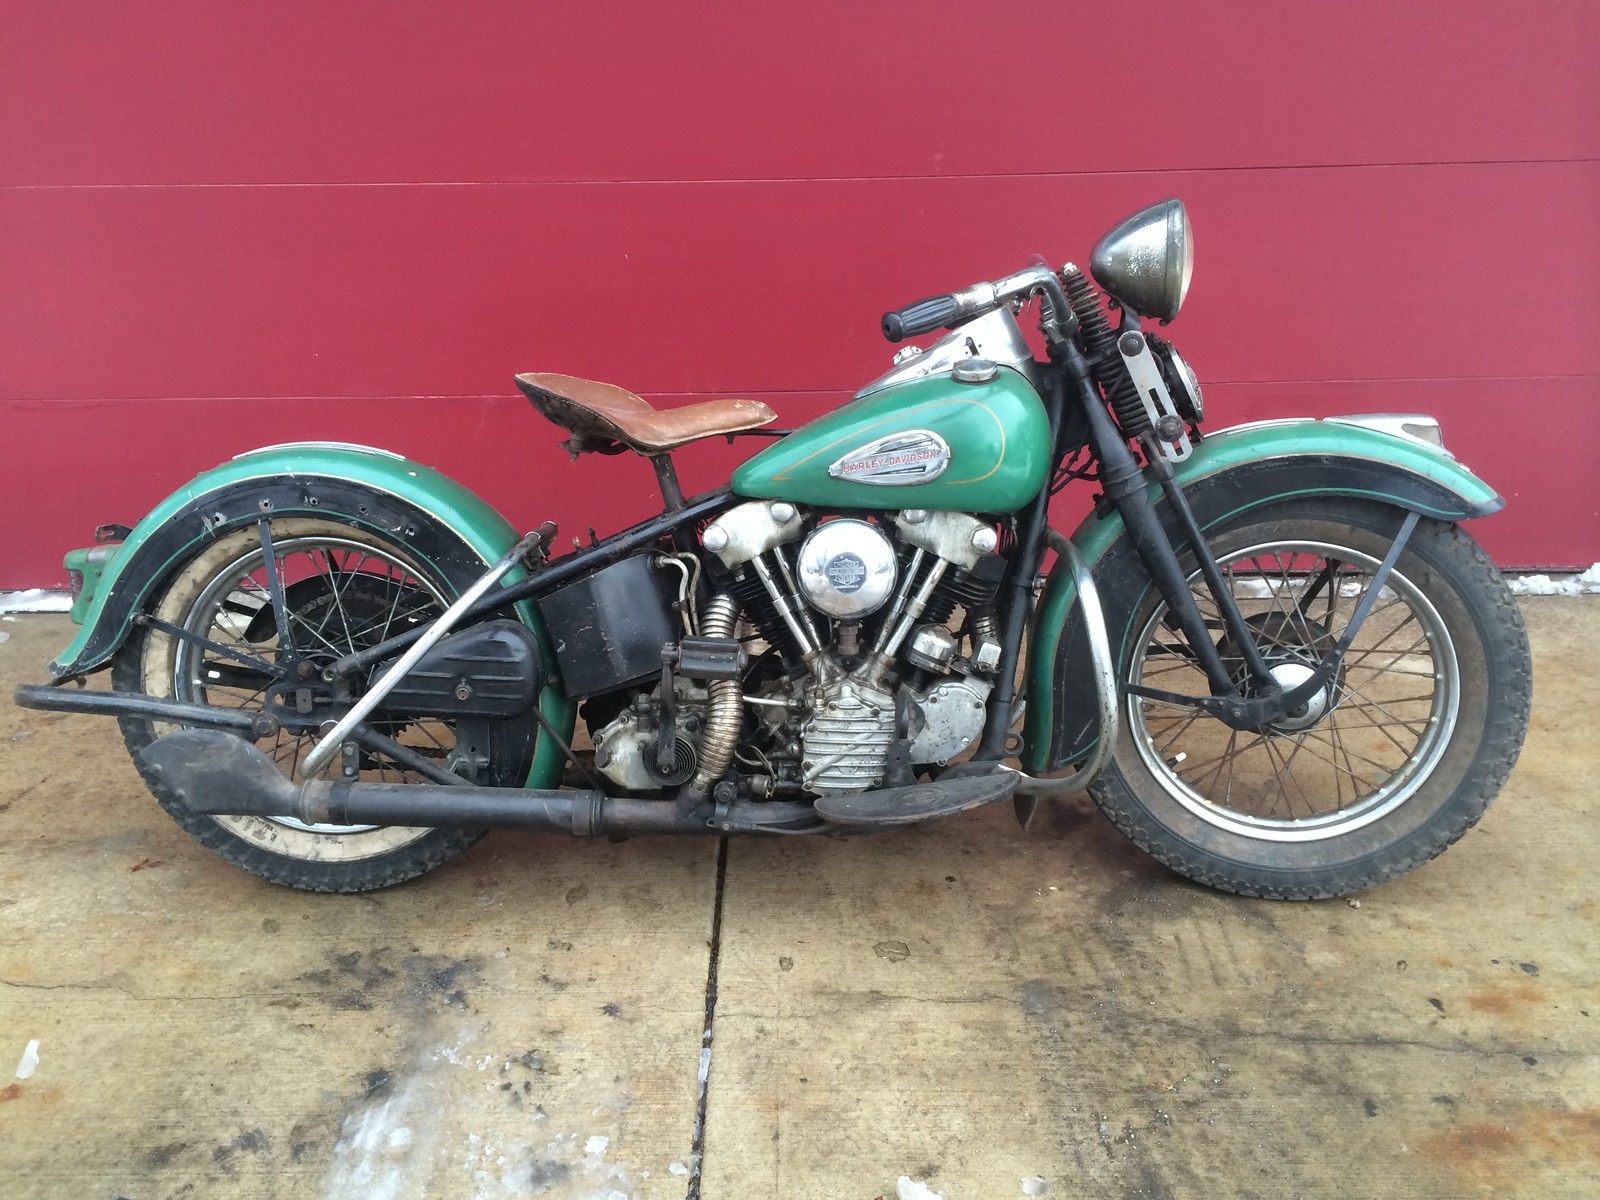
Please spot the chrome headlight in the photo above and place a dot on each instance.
(1146, 261)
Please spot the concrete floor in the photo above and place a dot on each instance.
(987, 1013)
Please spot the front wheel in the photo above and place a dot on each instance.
(1381, 771)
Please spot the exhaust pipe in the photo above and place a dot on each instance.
(213, 772)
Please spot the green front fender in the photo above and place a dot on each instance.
(1230, 472)
(118, 580)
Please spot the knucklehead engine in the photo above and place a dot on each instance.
(872, 648)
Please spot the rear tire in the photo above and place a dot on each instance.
(310, 858)
(1219, 840)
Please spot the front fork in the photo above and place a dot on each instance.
(1262, 701)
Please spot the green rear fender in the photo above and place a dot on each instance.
(1231, 471)
(310, 479)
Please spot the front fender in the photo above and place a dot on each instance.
(316, 479)
(1231, 471)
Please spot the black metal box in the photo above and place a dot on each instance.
(608, 628)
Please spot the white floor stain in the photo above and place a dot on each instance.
(29, 1062)
(911, 1189)
(404, 1142)
(378, 1155)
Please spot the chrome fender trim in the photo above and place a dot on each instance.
(1419, 427)
(1104, 672)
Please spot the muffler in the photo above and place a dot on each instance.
(209, 771)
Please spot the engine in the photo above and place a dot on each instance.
(860, 613)
(868, 647)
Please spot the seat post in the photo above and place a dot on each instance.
(667, 479)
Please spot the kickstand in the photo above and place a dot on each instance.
(1025, 807)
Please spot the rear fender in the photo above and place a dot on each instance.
(1230, 472)
(355, 485)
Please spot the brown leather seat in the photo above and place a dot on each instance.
(599, 414)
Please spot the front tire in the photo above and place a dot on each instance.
(1382, 772)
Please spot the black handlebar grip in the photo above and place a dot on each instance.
(922, 316)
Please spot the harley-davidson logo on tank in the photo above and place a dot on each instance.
(915, 456)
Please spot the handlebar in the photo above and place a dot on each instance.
(941, 312)
(920, 317)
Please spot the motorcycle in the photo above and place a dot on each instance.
(1270, 653)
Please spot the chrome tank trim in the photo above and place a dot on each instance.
(901, 459)
(995, 336)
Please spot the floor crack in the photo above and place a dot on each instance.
(697, 1148)
(106, 985)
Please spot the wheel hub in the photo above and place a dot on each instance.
(1290, 675)
(1290, 645)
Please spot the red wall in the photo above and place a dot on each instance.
(225, 225)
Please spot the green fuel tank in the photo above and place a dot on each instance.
(938, 442)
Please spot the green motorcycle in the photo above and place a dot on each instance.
(1270, 653)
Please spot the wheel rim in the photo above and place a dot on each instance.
(341, 595)
(1363, 747)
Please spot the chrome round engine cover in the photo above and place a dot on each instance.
(847, 568)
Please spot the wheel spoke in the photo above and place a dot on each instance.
(1182, 728)
(1277, 774)
(1395, 656)
(1419, 723)
(1228, 759)
(1288, 770)
(1366, 701)
(1402, 671)
(338, 598)
(297, 619)
(1274, 599)
(1233, 760)
(1297, 614)
(1348, 769)
(426, 606)
(1399, 745)
(1208, 762)
(1349, 753)
(1367, 651)
(390, 581)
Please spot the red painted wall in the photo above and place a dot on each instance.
(227, 225)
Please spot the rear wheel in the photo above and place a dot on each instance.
(1378, 773)
(344, 588)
